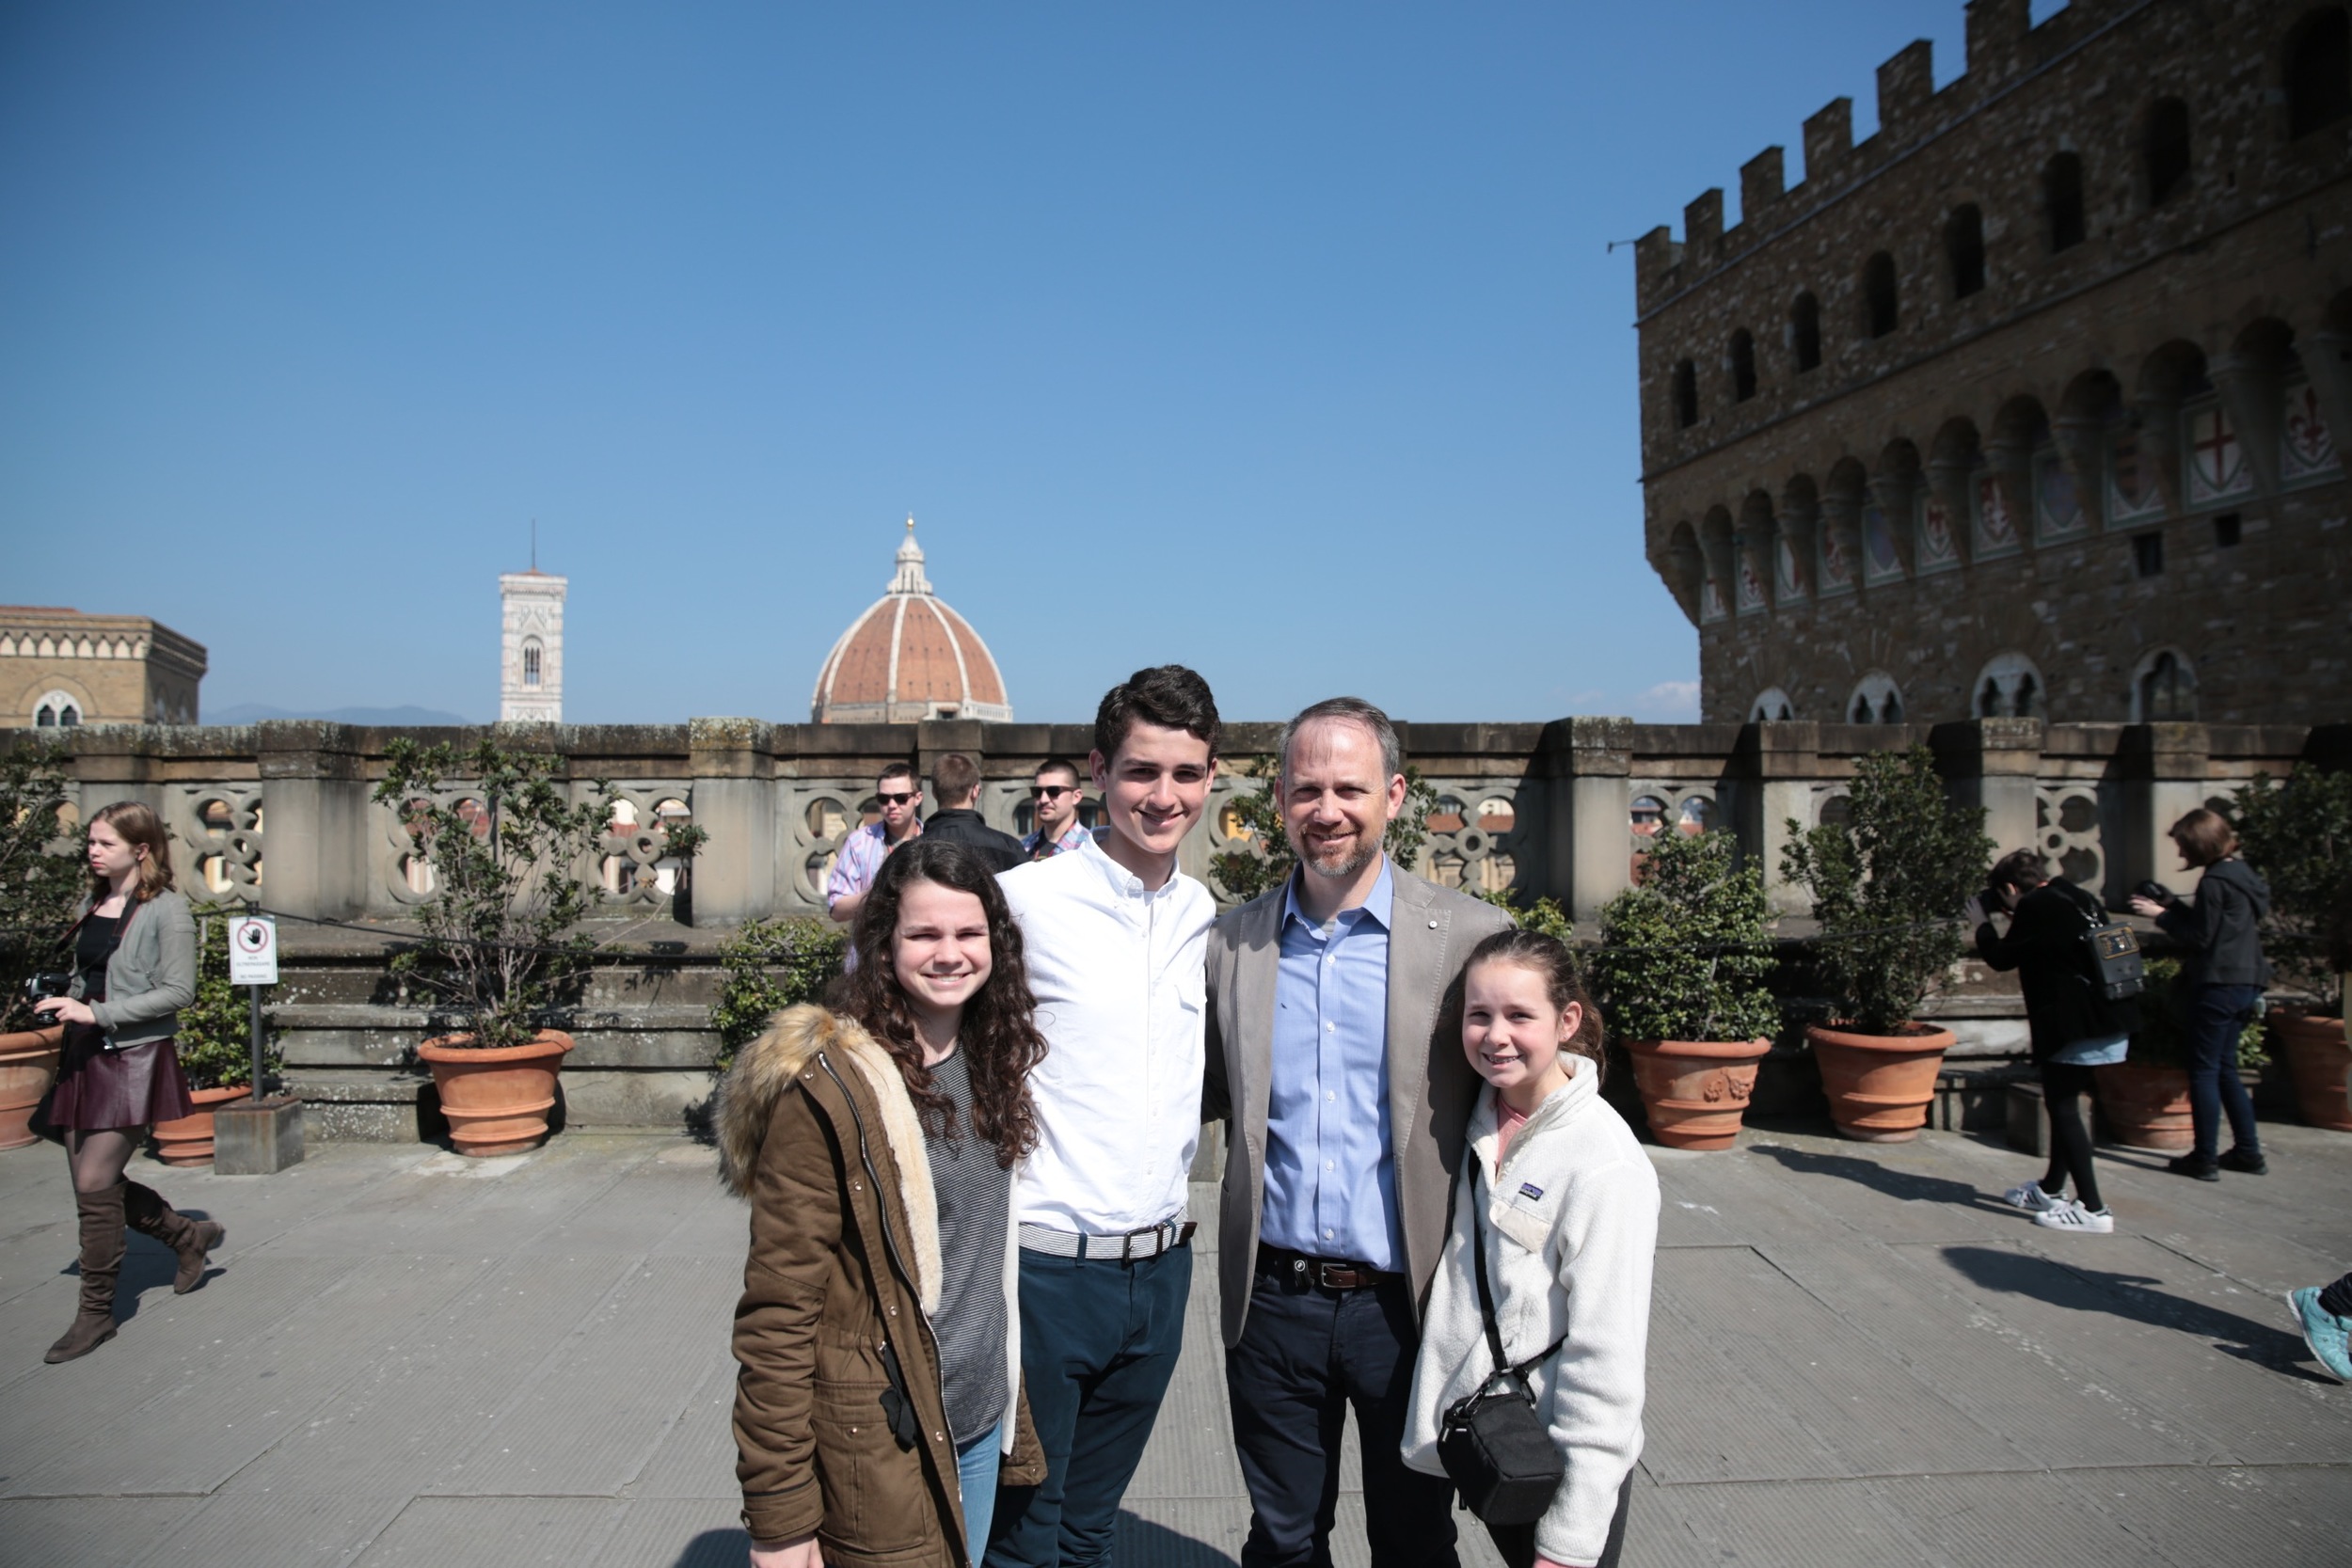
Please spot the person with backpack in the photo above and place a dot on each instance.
(2075, 1026)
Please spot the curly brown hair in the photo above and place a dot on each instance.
(999, 1039)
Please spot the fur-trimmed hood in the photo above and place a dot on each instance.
(771, 1066)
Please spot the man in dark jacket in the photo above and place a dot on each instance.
(956, 785)
(2075, 1027)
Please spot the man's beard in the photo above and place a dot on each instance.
(1336, 865)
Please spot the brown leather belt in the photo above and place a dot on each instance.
(1331, 1274)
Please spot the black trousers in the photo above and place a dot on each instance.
(1516, 1543)
(1307, 1356)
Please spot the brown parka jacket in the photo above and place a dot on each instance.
(838, 1362)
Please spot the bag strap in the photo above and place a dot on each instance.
(1516, 1371)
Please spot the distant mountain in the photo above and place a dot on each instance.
(381, 717)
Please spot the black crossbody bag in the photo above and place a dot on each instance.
(1492, 1442)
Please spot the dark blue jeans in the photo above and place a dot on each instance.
(2216, 1014)
(1307, 1355)
(1099, 1340)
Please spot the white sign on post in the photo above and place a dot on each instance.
(252, 950)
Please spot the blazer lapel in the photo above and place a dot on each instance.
(1257, 960)
(1419, 930)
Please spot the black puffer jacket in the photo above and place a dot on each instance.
(2044, 945)
(2221, 926)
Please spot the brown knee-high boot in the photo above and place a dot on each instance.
(102, 1261)
(150, 1215)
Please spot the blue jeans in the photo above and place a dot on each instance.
(976, 1477)
(2215, 1016)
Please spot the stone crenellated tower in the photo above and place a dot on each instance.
(531, 647)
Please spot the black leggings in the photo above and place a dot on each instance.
(2063, 1089)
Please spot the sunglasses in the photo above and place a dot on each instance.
(898, 799)
(1050, 792)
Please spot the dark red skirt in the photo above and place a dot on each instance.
(98, 1088)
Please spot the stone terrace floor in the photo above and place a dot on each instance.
(1858, 1357)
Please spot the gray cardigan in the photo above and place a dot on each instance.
(151, 974)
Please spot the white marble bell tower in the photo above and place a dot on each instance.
(531, 647)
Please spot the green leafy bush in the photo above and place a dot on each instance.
(41, 873)
(769, 965)
(1684, 955)
(2298, 835)
(1887, 885)
(2161, 1040)
(1545, 915)
(216, 1040)
(1264, 863)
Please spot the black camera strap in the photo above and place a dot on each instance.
(1515, 1373)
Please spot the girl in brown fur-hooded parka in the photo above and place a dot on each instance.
(880, 1402)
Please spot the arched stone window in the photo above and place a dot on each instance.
(1742, 358)
(1804, 332)
(2009, 687)
(2318, 70)
(2163, 688)
(1876, 700)
(2164, 149)
(1964, 249)
(533, 654)
(1771, 705)
(2062, 200)
(1879, 314)
(1686, 395)
(56, 710)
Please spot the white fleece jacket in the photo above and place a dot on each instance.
(1571, 1228)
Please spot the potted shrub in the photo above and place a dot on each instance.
(1887, 886)
(1680, 977)
(216, 1047)
(2298, 835)
(41, 879)
(500, 946)
(2145, 1098)
(767, 966)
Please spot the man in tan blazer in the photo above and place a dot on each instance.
(1345, 1116)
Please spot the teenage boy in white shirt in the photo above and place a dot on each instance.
(1115, 938)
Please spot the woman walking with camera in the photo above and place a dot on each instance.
(133, 969)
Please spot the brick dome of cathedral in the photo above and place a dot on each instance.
(908, 658)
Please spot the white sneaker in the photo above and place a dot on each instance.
(2074, 1216)
(2031, 1198)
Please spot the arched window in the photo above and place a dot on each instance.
(1879, 315)
(2165, 688)
(2319, 71)
(531, 662)
(2062, 200)
(1771, 704)
(1964, 247)
(1743, 365)
(2164, 148)
(1686, 395)
(1876, 700)
(1804, 332)
(2009, 687)
(57, 710)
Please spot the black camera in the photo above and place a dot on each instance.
(39, 988)
(2153, 890)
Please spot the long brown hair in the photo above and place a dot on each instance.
(1549, 958)
(137, 825)
(999, 1039)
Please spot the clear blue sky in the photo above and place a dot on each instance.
(1280, 341)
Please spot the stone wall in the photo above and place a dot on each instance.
(2065, 454)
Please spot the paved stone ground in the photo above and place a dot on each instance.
(1859, 1357)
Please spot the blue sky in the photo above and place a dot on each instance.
(1280, 341)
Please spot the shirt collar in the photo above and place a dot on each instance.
(1378, 905)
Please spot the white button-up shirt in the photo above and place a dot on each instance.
(1121, 984)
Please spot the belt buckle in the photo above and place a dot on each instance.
(1127, 1243)
(1325, 1272)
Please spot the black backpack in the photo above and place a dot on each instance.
(2111, 951)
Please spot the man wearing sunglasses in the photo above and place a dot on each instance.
(863, 852)
(1055, 797)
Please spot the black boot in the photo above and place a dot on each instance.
(148, 1213)
(102, 1261)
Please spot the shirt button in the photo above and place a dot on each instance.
(1329, 1166)
(1330, 1094)
(1328, 1234)
(1330, 1028)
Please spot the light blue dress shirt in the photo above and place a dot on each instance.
(1330, 1180)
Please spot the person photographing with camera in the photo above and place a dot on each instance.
(2075, 1025)
(134, 944)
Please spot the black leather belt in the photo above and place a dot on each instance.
(1331, 1274)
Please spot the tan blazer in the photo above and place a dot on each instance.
(1431, 1086)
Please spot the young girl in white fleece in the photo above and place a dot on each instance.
(1568, 1209)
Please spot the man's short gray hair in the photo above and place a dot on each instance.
(1353, 710)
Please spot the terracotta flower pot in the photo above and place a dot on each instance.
(189, 1141)
(496, 1100)
(2317, 1057)
(27, 1062)
(2147, 1107)
(1696, 1091)
(1880, 1086)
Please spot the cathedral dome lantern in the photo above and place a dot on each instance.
(909, 657)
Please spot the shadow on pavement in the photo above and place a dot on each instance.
(1143, 1544)
(715, 1548)
(1907, 1185)
(2135, 1297)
